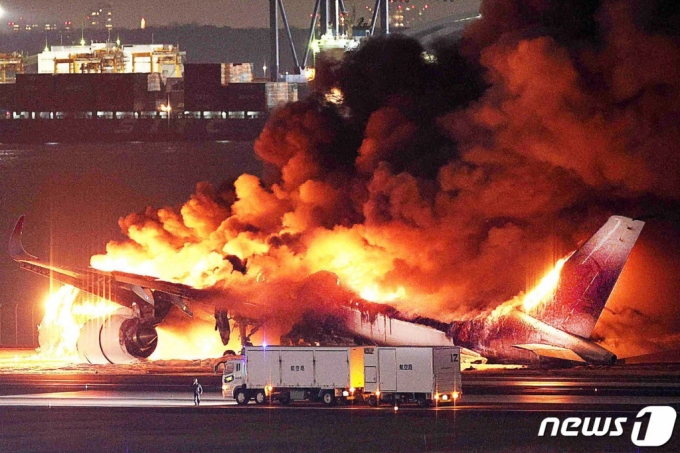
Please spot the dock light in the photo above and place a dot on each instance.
(456, 395)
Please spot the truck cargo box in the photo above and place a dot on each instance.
(291, 367)
(424, 372)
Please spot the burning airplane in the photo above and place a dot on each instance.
(438, 188)
(554, 321)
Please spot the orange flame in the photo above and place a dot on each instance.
(64, 316)
(545, 287)
(541, 293)
(200, 342)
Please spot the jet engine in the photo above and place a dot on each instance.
(119, 338)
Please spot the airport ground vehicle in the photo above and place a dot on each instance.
(341, 374)
(288, 373)
(420, 374)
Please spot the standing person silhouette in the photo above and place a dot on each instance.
(198, 390)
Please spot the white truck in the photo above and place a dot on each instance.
(330, 374)
(289, 373)
(424, 375)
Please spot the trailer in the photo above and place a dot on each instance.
(287, 373)
(422, 375)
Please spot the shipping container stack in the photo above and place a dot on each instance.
(237, 73)
(8, 95)
(34, 92)
(228, 87)
(114, 92)
(279, 93)
(174, 91)
(202, 87)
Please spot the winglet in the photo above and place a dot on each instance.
(16, 248)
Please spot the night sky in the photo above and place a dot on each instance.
(232, 13)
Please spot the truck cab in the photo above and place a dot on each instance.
(233, 377)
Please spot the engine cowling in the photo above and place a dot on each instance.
(120, 338)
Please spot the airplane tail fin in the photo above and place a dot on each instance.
(588, 277)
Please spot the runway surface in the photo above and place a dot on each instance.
(108, 409)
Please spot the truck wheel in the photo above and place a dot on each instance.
(260, 397)
(241, 397)
(423, 402)
(372, 401)
(284, 399)
(328, 398)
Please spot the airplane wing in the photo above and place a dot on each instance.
(552, 352)
(122, 288)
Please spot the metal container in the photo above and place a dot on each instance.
(203, 76)
(8, 101)
(144, 100)
(237, 73)
(34, 92)
(174, 84)
(423, 370)
(279, 93)
(114, 92)
(74, 93)
(154, 82)
(203, 89)
(245, 97)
